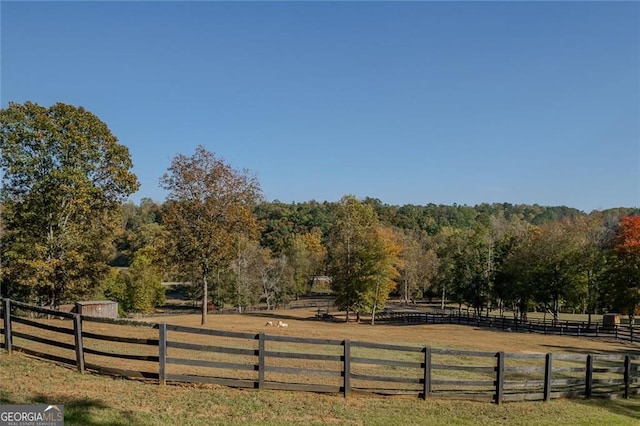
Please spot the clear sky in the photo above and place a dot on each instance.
(408, 102)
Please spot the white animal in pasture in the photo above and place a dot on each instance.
(269, 324)
(282, 324)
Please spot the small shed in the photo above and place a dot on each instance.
(98, 308)
(610, 321)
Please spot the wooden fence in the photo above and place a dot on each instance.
(320, 302)
(569, 328)
(166, 353)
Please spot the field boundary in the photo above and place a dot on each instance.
(262, 361)
(562, 328)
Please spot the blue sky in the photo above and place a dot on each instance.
(408, 102)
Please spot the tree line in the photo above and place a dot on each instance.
(69, 233)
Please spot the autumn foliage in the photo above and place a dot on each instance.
(625, 270)
(626, 242)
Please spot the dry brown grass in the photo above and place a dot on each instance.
(302, 324)
(250, 407)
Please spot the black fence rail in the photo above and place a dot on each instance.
(570, 328)
(322, 303)
(131, 348)
(72, 342)
(166, 353)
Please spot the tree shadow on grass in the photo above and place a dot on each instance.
(622, 407)
(79, 411)
(275, 316)
(624, 350)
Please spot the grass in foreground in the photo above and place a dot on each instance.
(94, 400)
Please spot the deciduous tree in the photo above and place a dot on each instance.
(137, 288)
(624, 266)
(419, 266)
(208, 207)
(246, 268)
(359, 258)
(64, 175)
(552, 254)
(306, 256)
(385, 256)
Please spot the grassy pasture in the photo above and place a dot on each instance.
(144, 403)
(302, 324)
(99, 400)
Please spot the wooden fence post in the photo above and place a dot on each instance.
(499, 378)
(7, 325)
(427, 372)
(588, 382)
(627, 375)
(347, 367)
(77, 335)
(548, 371)
(261, 363)
(162, 354)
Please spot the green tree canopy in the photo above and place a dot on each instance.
(306, 256)
(63, 177)
(137, 288)
(546, 267)
(361, 260)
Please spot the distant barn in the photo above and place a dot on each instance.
(98, 308)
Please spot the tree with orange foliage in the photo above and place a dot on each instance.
(627, 238)
(625, 266)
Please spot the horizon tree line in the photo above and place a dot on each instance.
(69, 233)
